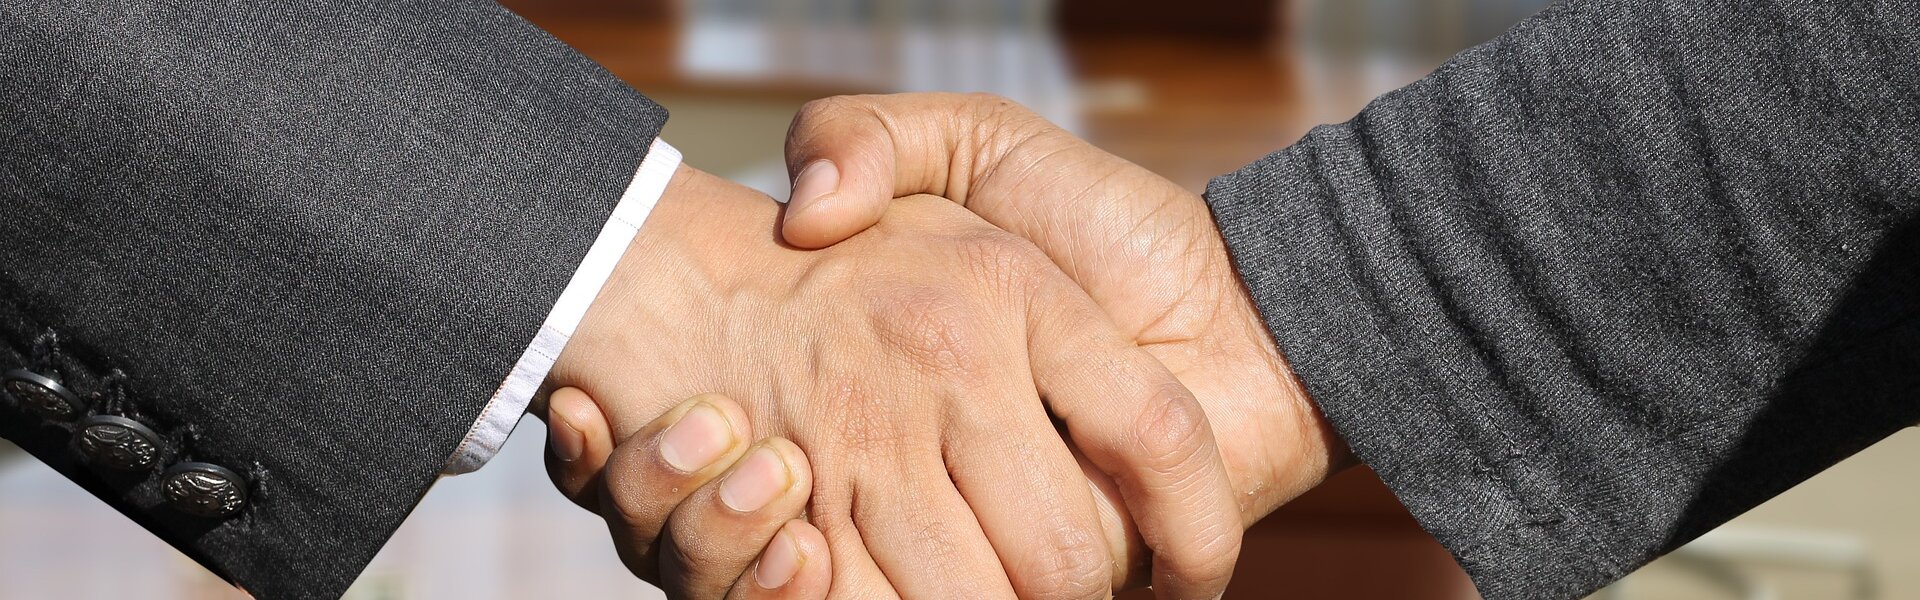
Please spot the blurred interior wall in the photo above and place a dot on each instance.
(1211, 18)
(1214, 18)
(534, 9)
(1403, 27)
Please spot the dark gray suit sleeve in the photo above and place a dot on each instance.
(1607, 281)
(302, 240)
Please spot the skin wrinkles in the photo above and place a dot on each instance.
(1145, 249)
(899, 363)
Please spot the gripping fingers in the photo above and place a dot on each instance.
(713, 537)
(743, 525)
(794, 566)
(578, 445)
(652, 472)
(925, 539)
(1134, 420)
(1032, 500)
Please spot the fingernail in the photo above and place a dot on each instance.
(818, 179)
(568, 443)
(759, 479)
(778, 563)
(698, 439)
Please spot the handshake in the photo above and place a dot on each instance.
(1586, 292)
(974, 357)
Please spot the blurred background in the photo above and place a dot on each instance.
(1188, 89)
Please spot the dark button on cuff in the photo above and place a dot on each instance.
(204, 490)
(42, 396)
(117, 443)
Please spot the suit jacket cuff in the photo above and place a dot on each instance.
(510, 402)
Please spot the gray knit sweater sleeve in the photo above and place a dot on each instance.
(1605, 282)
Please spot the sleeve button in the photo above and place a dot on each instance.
(204, 490)
(42, 396)
(117, 443)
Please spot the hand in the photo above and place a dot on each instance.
(910, 367)
(1146, 250)
(732, 530)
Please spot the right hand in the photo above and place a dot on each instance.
(733, 530)
(911, 368)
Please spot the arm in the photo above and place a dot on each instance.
(262, 214)
(1581, 295)
(292, 238)
(1608, 281)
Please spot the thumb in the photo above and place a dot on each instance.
(578, 446)
(849, 156)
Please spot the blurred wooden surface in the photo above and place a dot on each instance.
(1347, 539)
(1188, 108)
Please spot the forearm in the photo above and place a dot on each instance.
(1608, 281)
(313, 237)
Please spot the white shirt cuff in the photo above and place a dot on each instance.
(510, 402)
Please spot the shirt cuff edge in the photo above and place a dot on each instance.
(504, 410)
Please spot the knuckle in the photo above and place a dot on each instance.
(830, 510)
(634, 499)
(820, 114)
(1172, 431)
(631, 502)
(819, 111)
(985, 98)
(692, 550)
(932, 329)
(858, 426)
(936, 536)
(869, 433)
(818, 121)
(993, 106)
(1075, 567)
(695, 567)
(1001, 258)
(998, 118)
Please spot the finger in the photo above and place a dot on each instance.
(578, 445)
(1007, 165)
(925, 539)
(715, 534)
(794, 566)
(1137, 423)
(856, 575)
(851, 155)
(1129, 553)
(660, 465)
(1032, 500)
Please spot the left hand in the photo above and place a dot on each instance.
(1144, 248)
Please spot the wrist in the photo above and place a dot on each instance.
(690, 250)
(1326, 453)
(1296, 447)
(1301, 449)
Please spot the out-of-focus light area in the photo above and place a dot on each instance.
(1189, 89)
